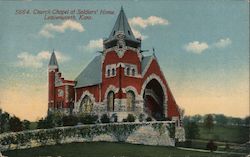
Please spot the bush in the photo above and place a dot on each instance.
(141, 117)
(88, 119)
(69, 120)
(131, 118)
(124, 120)
(105, 118)
(148, 119)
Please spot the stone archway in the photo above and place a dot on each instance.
(154, 99)
(86, 105)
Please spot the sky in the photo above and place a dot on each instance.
(202, 48)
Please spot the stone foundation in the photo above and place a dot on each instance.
(147, 133)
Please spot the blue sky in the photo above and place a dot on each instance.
(202, 47)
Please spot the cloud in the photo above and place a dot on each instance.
(48, 29)
(150, 21)
(138, 34)
(94, 45)
(222, 43)
(138, 23)
(196, 47)
(26, 59)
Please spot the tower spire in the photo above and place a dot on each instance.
(122, 26)
(53, 60)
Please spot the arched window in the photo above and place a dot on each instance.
(130, 101)
(128, 71)
(86, 105)
(108, 72)
(133, 72)
(111, 101)
(113, 72)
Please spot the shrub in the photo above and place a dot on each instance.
(141, 117)
(124, 120)
(131, 118)
(105, 118)
(88, 119)
(148, 119)
(69, 120)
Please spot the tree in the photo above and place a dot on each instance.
(221, 119)
(26, 125)
(15, 124)
(247, 121)
(209, 122)
(192, 130)
(4, 122)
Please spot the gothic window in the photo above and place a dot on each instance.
(111, 101)
(108, 72)
(133, 72)
(128, 71)
(113, 72)
(86, 105)
(130, 101)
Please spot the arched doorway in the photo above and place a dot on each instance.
(130, 100)
(111, 101)
(86, 105)
(154, 98)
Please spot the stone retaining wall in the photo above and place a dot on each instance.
(147, 133)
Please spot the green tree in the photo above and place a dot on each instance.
(209, 122)
(192, 130)
(221, 119)
(4, 122)
(15, 124)
(26, 124)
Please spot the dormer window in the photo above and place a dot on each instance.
(113, 33)
(128, 32)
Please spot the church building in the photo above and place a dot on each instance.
(120, 80)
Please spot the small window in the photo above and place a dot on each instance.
(133, 72)
(113, 71)
(128, 71)
(128, 32)
(113, 33)
(108, 72)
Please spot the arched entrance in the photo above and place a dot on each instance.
(86, 105)
(154, 98)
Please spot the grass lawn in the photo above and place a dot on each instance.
(105, 149)
(236, 134)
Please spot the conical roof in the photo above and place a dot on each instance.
(122, 25)
(53, 60)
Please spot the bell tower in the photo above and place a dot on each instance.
(52, 69)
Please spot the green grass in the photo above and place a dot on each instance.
(105, 149)
(237, 134)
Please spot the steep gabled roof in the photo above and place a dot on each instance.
(145, 61)
(122, 25)
(91, 75)
(53, 60)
